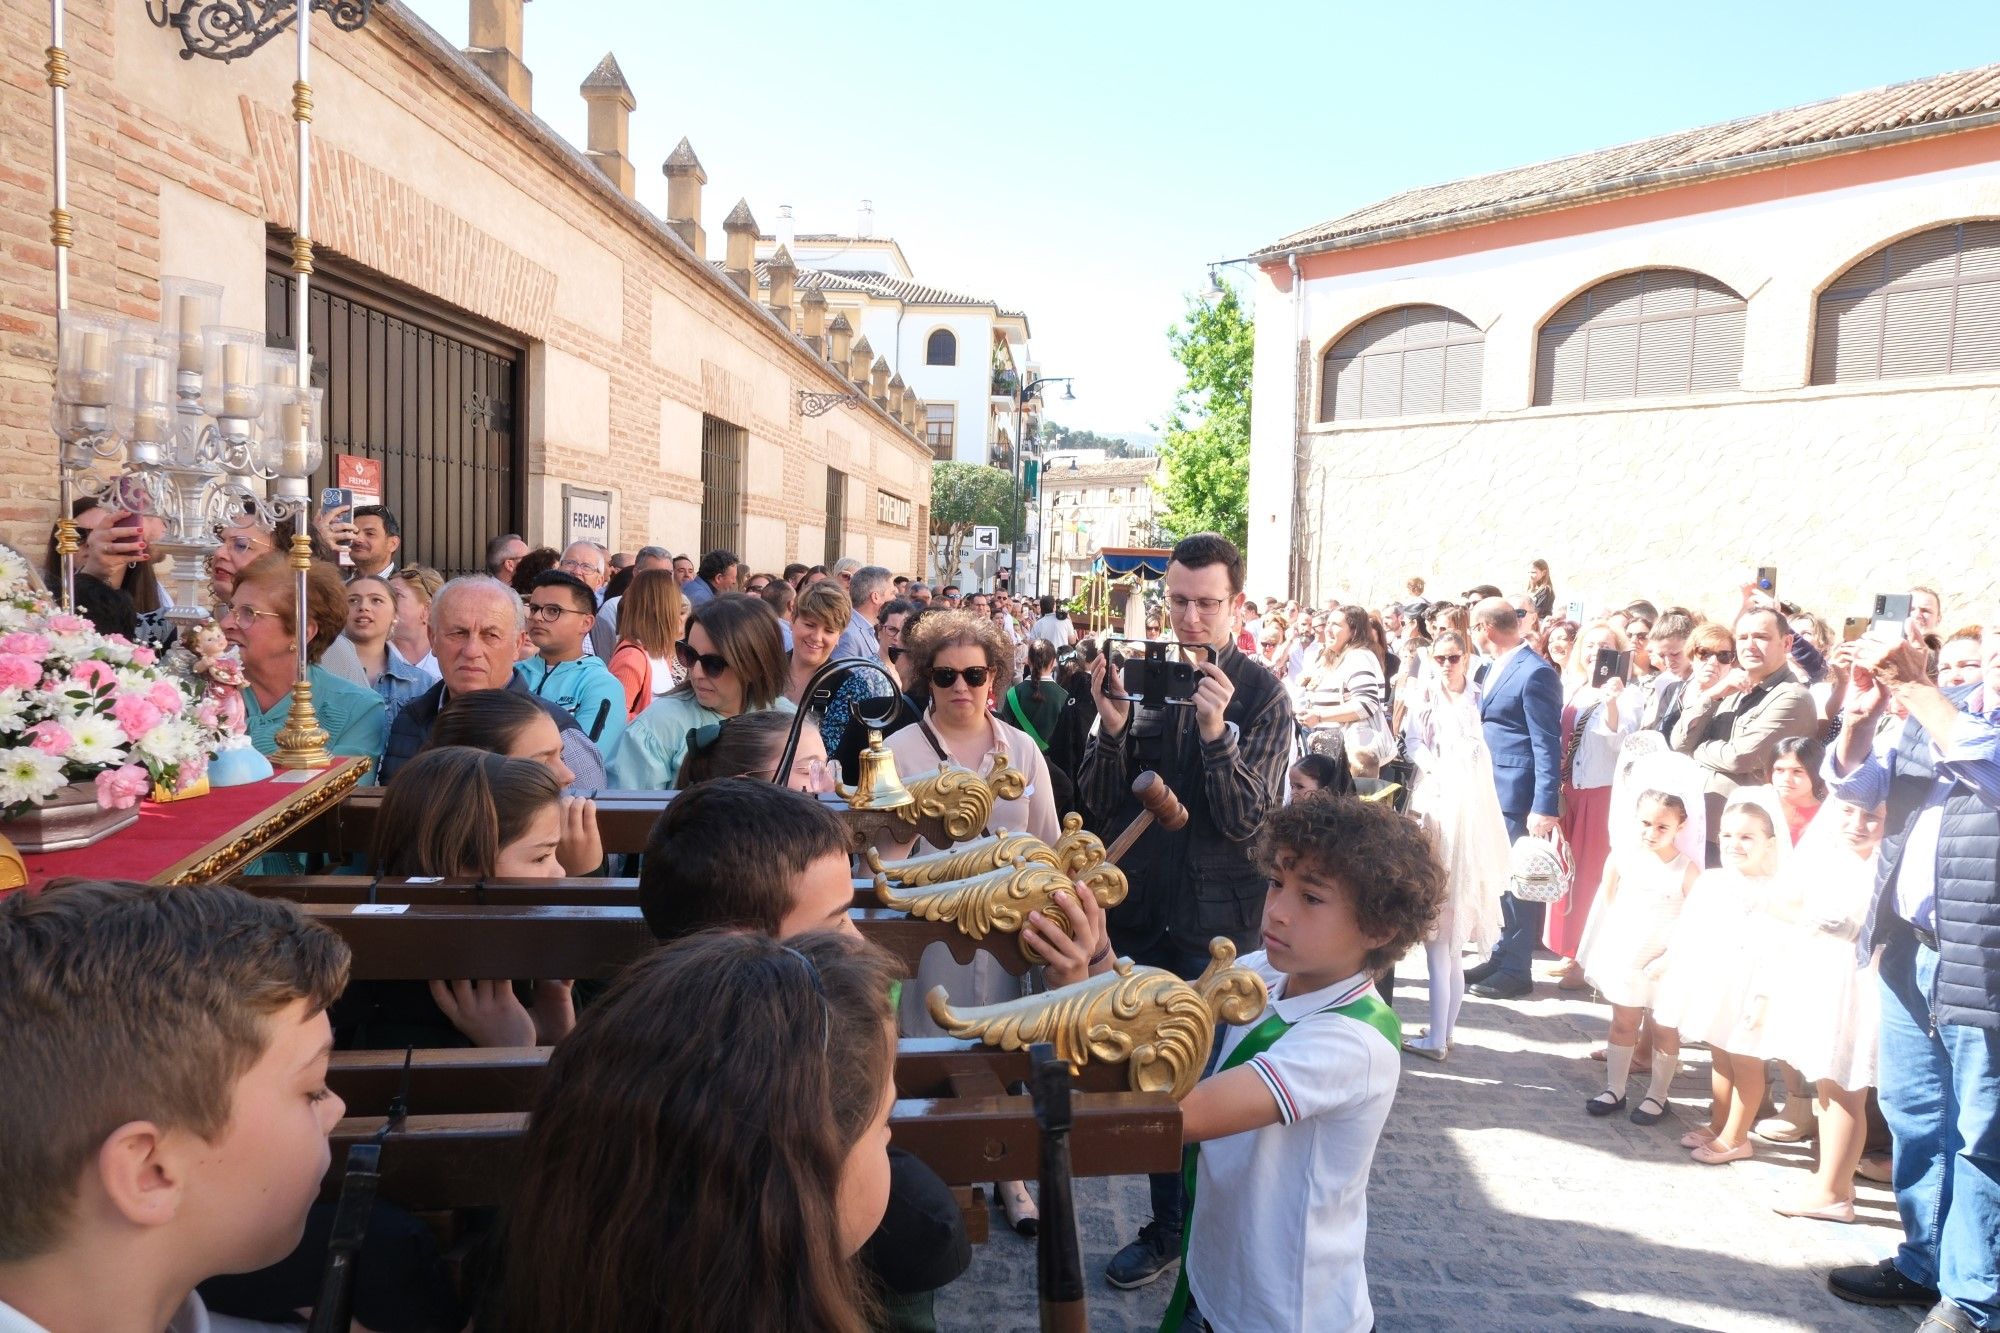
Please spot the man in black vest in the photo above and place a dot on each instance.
(1225, 756)
(1936, 918)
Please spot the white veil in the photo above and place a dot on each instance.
(1645, 767)
(1766, 799)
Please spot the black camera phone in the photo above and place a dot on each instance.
(1610, 662)
(1154, 672)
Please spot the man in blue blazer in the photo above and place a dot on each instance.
(1521, 704)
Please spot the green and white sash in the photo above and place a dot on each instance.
(1360, 1003)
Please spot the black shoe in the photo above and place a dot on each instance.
(1641, 1116)
(1478, 972)
(1145, 1259)
(1596, 1107)
(1947, 1317)
(1503, 986)
(1878, 1284)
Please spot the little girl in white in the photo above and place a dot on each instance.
(1624, 949)
(1715, 988)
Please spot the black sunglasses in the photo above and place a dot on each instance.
(946, 677)
(711, 664)
(895, 653)
(1449, 659)
(1726, 656)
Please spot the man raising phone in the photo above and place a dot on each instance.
(1224, 754)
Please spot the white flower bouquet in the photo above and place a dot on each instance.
(80, 706)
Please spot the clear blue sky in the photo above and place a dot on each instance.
(1083, 162)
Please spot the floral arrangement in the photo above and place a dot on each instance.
(80, 706)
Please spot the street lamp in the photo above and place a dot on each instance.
(1021, 397)
(1044, 560)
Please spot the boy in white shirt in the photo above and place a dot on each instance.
(1285, 1128)
(166, 1112)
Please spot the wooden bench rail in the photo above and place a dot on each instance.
(395, 941)
(494, 1079)
(469, 1160)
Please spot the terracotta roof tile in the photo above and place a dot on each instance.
(1715, 149)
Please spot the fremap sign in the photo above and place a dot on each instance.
(892, 509)
(586, 516)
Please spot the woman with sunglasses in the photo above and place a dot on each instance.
(965, 660)
(1455, 800)
(735, 664)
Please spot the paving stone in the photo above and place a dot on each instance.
(1497, 1203)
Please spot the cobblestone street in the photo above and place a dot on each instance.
(1498, 1204)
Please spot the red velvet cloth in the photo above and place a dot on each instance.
(164, 835)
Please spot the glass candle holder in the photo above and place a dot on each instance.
(83, 357)
(232, 377)
(187, 306)
(281, 366)
(143, 371)
(293, 443)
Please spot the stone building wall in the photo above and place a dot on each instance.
(426, 174)
(1851, 489)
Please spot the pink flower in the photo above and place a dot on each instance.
(144, 656)
(166, 698)
(67, 624)
(121, 788)
(25, 643)
(91, 675)
(135, 715)
(50, 738)
(209, 714)
(18, 672)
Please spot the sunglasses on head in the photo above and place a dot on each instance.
(1726, 656)
(711, 664)
(946, 677)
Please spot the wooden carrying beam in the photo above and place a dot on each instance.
(624, 818)
(468, 1160)
(578, 891)
(394, 941)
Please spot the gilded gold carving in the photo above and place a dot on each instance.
(965, 859)
(998, 900)
(60, 224)
(1157, 1025)
(1077, 850)
(302, 254)
(67, 542)
(302, 100)
(960, 800)
(58, 67)
(238, 853)
(302, 742)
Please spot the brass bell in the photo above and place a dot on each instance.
(877, 785)
(13, 870)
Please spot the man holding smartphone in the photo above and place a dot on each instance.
(1224, 753)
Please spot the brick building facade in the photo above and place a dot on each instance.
(443, 196)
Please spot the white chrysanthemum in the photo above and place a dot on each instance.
(136, 680)
(13, 617)
(13, 711)
(28, 775)
(14, 572)
(118, 654)
(96, 740)
(171, 742)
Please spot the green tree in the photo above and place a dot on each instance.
(965, 496)
(1207, 446)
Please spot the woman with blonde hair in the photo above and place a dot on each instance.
(412, 588)
(819, 617)
(649, 624)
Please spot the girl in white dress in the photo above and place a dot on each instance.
(1825, 1016)
(1720, 969)
(1656, 850)
(1455, 799)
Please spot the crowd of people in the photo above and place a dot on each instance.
(1736, 829)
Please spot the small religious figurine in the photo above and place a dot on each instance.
(221, 671)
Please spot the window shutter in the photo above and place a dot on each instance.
(1408, 361)
(1641, 335)
(1928, 304)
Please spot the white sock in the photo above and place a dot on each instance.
(1664, 1068)
(1617, 1068)
(1447, 988)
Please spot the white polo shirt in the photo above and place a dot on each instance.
(1281, 1213)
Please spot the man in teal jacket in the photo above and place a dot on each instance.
(561, 610)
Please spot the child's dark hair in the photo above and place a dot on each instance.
(1810, 751)
(1666, 800)
(483, 720)
(727, 852)
(1384, 862)
(1329, 774)
(453, 809)
(745, 746)
(682, 1164)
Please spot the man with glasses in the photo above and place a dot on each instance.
(561, 611)
(1224, 753)
(476, 627)
(1733, 728)
(588, 563)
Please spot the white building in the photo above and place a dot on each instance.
(1086, 503)
(960, 354)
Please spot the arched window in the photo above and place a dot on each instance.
(1406, 362)
(942, 349)
(1641, 335)
(1928, 304)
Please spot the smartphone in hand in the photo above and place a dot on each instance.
(1610, 662)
